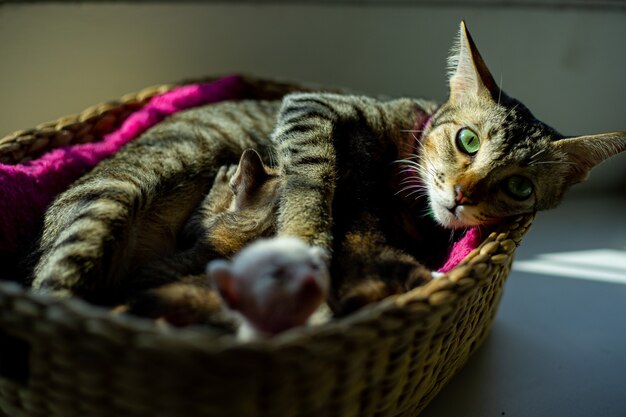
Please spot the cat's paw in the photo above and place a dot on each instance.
(220, 196)
(436, 274)
(373, 290)
(364, 293)
(419, 275)
(180, 304)
(50, 288)
(224, 174)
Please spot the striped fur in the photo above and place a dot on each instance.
(129, 210)
(355, 175)
(240, 207)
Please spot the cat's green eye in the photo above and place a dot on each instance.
(467, 141)
(519, 187)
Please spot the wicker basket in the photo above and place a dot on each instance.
(67, 358)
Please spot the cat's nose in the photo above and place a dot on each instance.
(460, 197)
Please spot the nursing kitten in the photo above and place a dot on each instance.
(240, 207)
(475, 160)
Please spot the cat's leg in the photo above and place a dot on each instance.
(103, 227)
(86, 231)
(316, 136)
(304, 137)
(221, 194)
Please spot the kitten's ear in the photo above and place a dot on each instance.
(221, 278)
(585, 152)
(250, 174)
(468, 73)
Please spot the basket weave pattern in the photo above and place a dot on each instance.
(95, 122)
(66, 358)
(88, 126)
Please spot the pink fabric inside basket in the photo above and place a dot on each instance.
(27, 189)
(470, 241)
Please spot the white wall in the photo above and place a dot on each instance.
(567, 65)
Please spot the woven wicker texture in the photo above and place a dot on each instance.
(95, 122)
(66, 358)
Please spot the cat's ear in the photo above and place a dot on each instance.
(585, 152)
(250, 174)
(469, 76)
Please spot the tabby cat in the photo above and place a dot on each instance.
(356, 172)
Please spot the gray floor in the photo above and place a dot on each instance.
(558, 346)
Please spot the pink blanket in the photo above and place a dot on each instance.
(27, 189)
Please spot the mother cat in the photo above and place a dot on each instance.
(478, 158)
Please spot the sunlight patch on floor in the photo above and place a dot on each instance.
(607, 265)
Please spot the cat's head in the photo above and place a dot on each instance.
(484, 156)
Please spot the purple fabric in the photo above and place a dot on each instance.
(27, 189)
(462, 248)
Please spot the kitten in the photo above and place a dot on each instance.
(477, 159)
(273, 285)
(240, 207)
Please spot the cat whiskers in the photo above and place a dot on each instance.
(551, 163)
(417, 140)
(533, 160)
(425, 213)
(414, 185)
(411, 166)
(416, 174)
(512, 110)
(411, 180)
(420, 191)
(536, 154)
(420, 173)
(429, 164)
(451, 239)
(430, 167)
